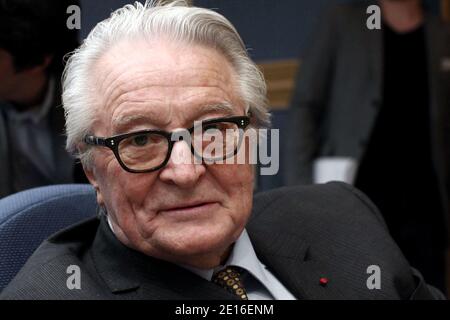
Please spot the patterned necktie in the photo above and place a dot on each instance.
(230, 278)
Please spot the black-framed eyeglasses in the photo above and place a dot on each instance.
(150, 150)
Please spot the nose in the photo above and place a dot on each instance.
(181, 169)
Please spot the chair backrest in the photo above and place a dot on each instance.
(27, 218)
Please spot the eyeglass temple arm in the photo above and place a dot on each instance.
(96, 141)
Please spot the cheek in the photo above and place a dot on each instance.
(124, 192)
(6, 69)
(237, 182)
(7, 81)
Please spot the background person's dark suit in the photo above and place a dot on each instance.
(301, 234)
(340, 92)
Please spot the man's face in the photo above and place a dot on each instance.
(184, 213)
(24, 86)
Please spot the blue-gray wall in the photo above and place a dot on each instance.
(272, 29)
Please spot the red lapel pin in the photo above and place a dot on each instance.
(323, 281)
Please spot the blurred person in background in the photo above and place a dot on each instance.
(34, 38)
(371, 107)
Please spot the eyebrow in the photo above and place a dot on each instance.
(223, 107)
(125, 121)
(133, 119)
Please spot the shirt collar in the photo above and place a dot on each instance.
(242, 255)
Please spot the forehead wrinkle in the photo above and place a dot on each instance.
(115, 70)
(126, 119)
(149, 113)
(124, 83)
(222, 95)
(216, 103)
(204, 81)
(123, 97)
(126, 97)
(123, 87)
(103, 78)
(150, 108)
(139, 118)
(210, 77)
(114, 60)
(223, 107)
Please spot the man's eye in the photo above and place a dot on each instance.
(140, 141)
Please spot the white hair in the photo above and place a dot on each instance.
(175, 20)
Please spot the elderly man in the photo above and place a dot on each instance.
(173, 227)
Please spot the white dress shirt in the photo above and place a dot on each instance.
(262, 284)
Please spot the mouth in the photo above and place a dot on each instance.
(189, 210)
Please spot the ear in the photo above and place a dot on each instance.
(92, 177)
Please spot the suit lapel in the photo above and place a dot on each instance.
(287, 257)
(130, 274)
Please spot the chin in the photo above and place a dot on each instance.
(195, 242)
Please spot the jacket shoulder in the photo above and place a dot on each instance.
(45, 274)
(341, 227)
(334, 201)
(344, 229)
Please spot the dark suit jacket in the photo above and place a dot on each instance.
(339, 93)
(301, 234)
(62, 158)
